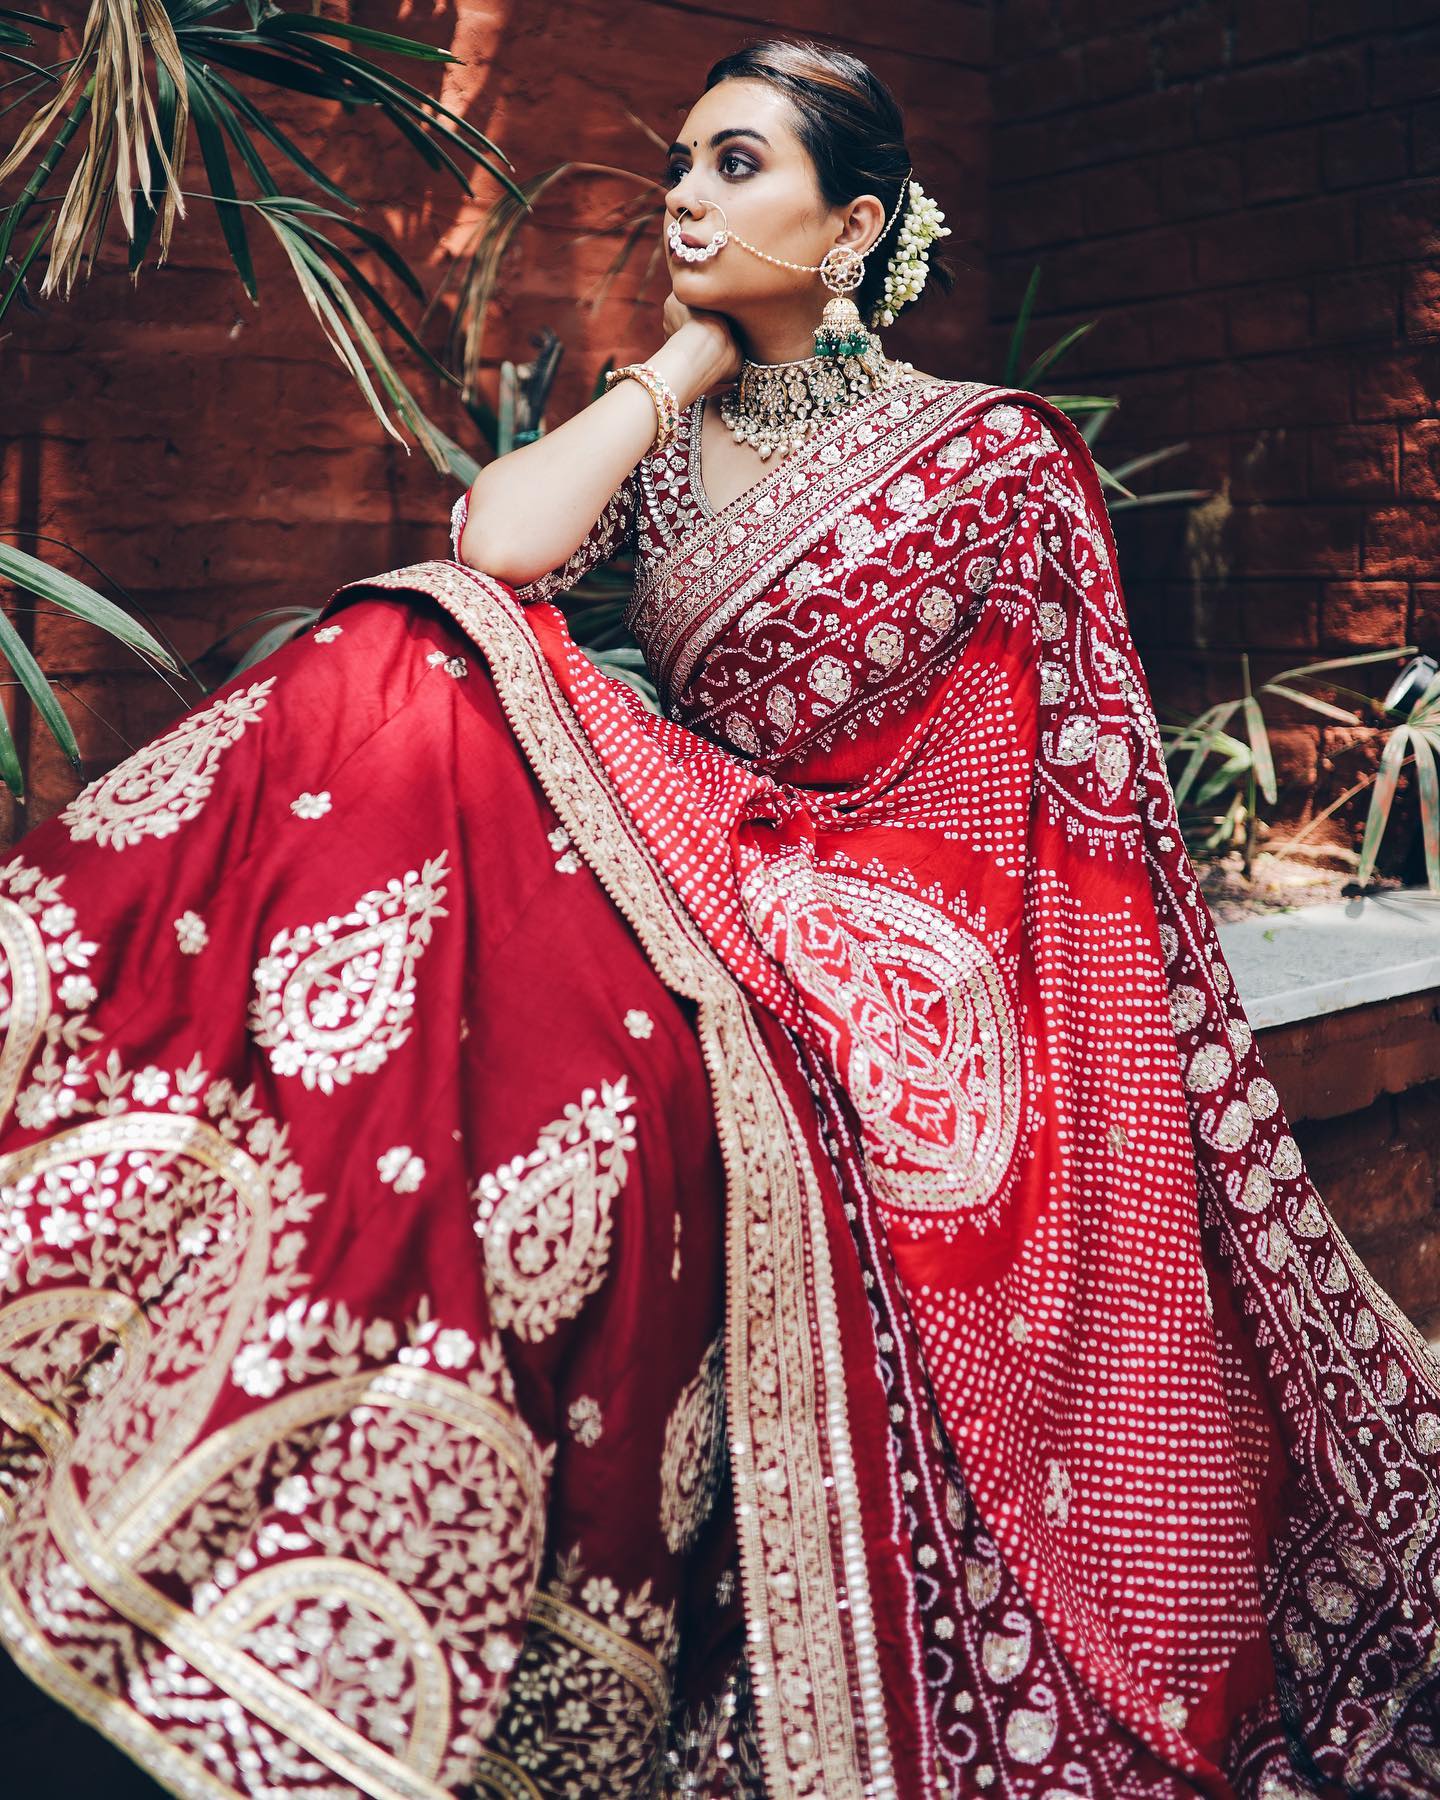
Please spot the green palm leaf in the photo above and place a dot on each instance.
(46, 583)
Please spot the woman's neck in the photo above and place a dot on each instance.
(778, 341)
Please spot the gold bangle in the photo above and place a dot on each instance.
(667, 407)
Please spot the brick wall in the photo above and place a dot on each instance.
(211, 457)
(1246, 196)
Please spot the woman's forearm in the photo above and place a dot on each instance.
(529, 510)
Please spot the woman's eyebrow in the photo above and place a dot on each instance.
(720, 137)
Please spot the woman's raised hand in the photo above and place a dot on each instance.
(703, 342)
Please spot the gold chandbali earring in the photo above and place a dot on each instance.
(775, 407)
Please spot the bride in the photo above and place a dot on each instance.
(555, 1250)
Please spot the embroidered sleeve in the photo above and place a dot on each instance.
(611, 532)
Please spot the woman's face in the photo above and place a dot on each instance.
(738, 148)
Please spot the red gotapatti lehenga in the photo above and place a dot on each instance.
(550, 1250)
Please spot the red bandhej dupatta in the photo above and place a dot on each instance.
(1204, 1441)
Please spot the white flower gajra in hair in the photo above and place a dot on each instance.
(909, 263)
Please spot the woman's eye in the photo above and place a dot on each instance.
(677, 169)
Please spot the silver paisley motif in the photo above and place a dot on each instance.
(693, 1456)
(333, 1000)
(545, 1219)
(152, 793)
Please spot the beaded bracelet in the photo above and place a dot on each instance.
(667, 407)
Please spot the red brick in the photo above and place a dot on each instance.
(1138, 126)
(1409, 1271)
(1293, 749)
(1402, 541)
(1324, 85)
(1120, 340)
(1425, 120)
(1425, 623)
(1400, 224)
(1125, 200)
(1274, 391)
(1358, 462)
(1269, 464)
(1118, 269)
(1368, 149)
(1191, 329)
(1190, 45)
(1271, 241)
(1207, 179)
(1153, 409)
(1420, 460)
(1405, 385)
(1380, 1194)
(1022, 151)
(1422, 303)
(1406, 66)
(1282, 165)
(1358, 303)
(1275, 316)
(1297, 540)
(1114, 65)
(1278, 615)
(1331, 19)
(1269, 30)
(1336, 1065)
(1037, 212)
(1038, 84)
(1364, 615)
(1024, 27)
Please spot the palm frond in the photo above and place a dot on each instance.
(35, 577)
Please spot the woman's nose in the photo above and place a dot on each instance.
(684, 198)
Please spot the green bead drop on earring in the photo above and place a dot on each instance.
(841, 331)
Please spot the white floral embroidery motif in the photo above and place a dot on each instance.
(327, 634)
(334, 1001)
(586, 1421)
(639, 1023)
(693, 1457)
(401, 1169)
(155, 791)
(191, 933)
(567, 862)
(545, 1219)
(311, 806)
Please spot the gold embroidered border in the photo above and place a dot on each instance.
(682, 604)
(174, 1134)
(340, 1749)
(23, 951)
(629, 1661)
(337, 1746)
(115, 1718)
(800, 1541)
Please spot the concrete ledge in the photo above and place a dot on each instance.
(1328, 958)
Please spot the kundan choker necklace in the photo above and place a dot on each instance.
(776, 406)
